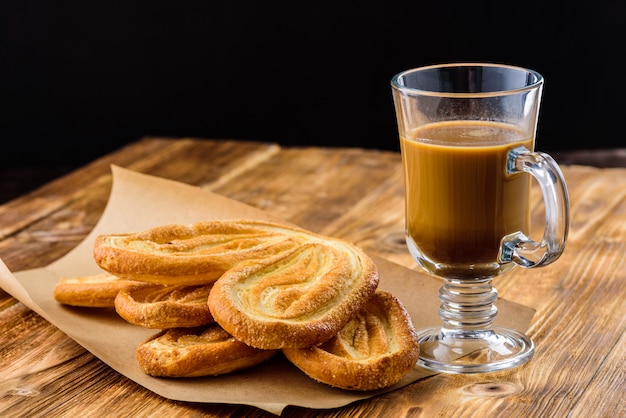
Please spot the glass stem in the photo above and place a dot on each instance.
(467, 306)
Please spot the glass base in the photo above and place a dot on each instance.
(463, 352)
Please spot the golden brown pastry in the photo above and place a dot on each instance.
(191, 254)
(201, 351)
(295, 299)
(95, 291)
(273, 287)
(158, 306)
(373, 351)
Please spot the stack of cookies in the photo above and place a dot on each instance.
(228, 295)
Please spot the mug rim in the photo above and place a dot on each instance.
(395, 80)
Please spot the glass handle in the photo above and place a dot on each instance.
(519, 248)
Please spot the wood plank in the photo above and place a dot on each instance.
(55, 218)
(311, 187)
(357, 195)
(606, 390)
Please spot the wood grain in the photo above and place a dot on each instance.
(578, 329)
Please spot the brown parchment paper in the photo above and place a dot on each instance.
(139, 201)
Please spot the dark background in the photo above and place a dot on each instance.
(82, 78)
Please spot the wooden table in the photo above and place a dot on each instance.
(578, 369)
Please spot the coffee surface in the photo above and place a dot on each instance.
(460, 202)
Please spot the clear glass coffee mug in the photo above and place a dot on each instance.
(467, 134)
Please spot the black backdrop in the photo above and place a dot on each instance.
(81, 78)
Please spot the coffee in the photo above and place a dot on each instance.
(460, 202)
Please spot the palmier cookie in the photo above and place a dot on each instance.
(200, 351)
(297, 299)
(191, 254)
(95, 291)
(373, 351)
(157, 306)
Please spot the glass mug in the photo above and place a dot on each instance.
(467, 134)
